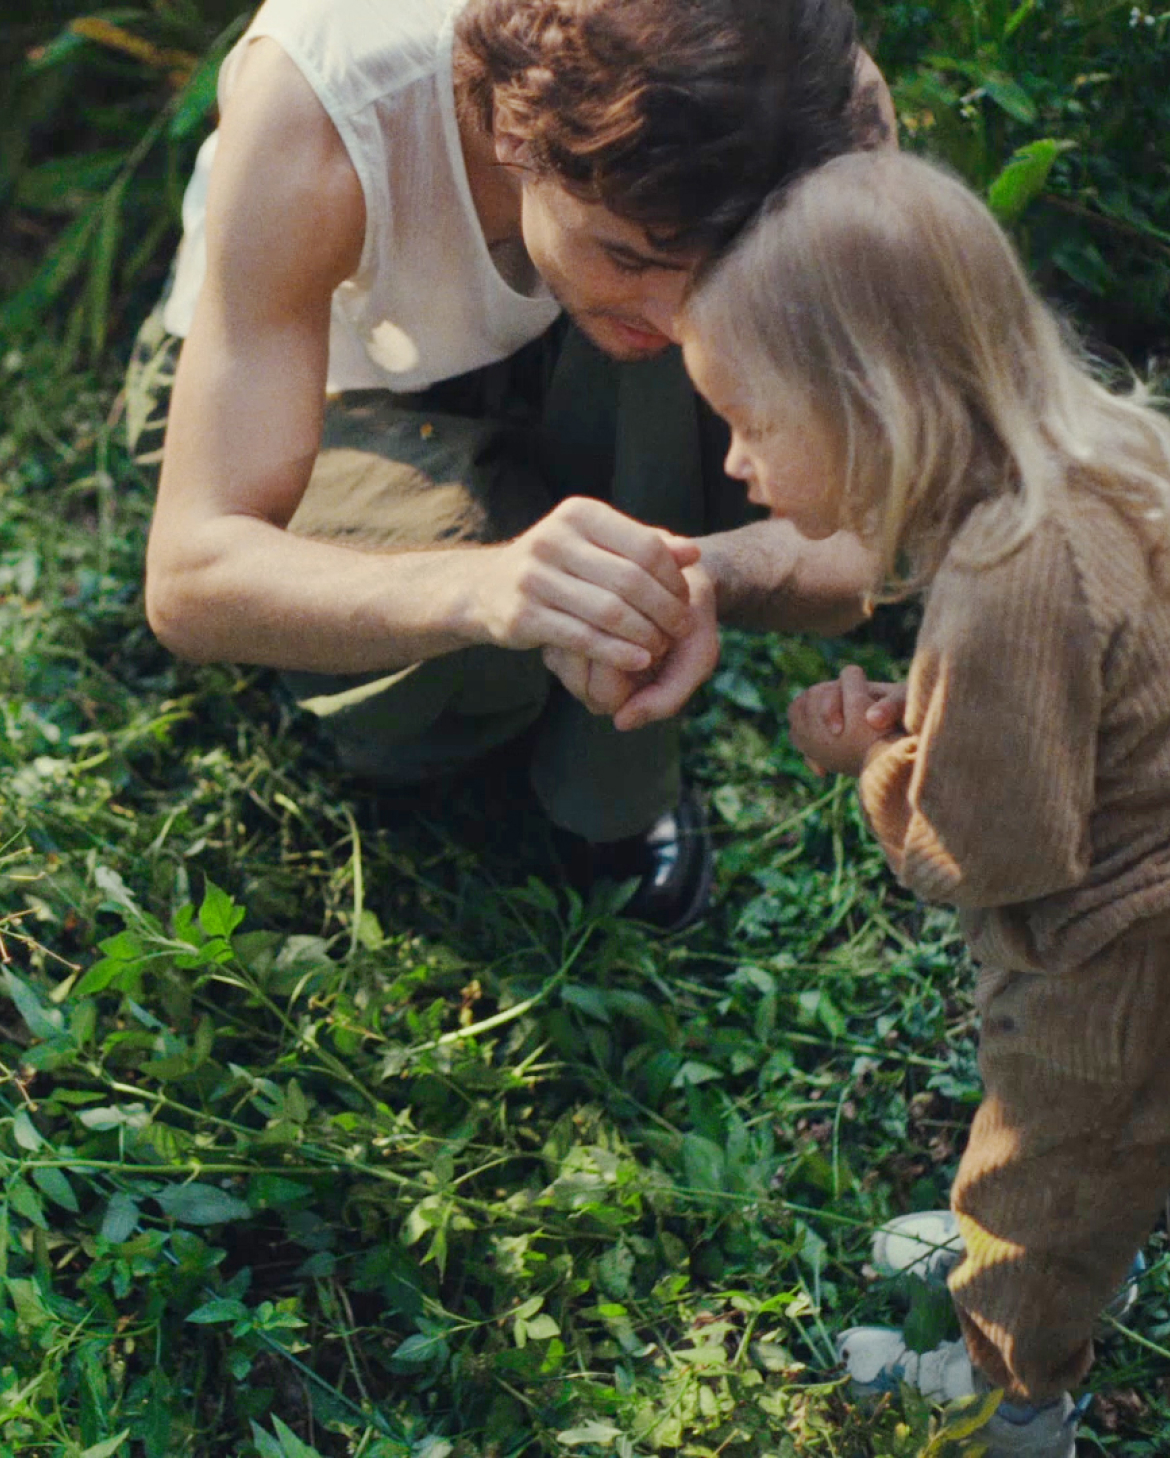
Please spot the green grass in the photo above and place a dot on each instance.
(343, 1129)
(329, 1131)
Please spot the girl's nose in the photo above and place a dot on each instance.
(735, 463)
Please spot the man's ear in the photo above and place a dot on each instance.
(512, 149)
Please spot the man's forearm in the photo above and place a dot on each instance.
(245, 591)
(770, 578)
(584, 578)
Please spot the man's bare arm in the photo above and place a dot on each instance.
(285, 224)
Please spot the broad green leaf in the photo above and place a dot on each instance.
(121, 1218)
(1023, 178)
(693, 1072)
(24, 1131)
(591, 1432)
(291, 1446)
(26, 1297)
(222, 1308)
(199, 1204)
(124, 946)
(219, 915)
(54, 1185)
(418, 1350)
(296, 1105)
(589, 1000)
(25, 1201)
(101, 975)
(273, 1189)
(266, 1444)
(703, 1163)
(42, 1022)
(1011, 97)
(931, 1317)
(115, 1116)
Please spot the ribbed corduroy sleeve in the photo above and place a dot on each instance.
(986, 800)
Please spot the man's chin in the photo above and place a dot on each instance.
(622, 341)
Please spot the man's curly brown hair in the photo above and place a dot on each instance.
(679, 115)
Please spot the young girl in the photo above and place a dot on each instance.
(883, 365)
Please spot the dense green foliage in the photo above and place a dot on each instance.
(331, 1130)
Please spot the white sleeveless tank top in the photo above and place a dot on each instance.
(428, 300)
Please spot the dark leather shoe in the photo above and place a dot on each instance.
(672, 862)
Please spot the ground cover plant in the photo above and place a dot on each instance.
(331, 1127)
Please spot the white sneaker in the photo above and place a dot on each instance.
(927, 1243)
(878, 1360)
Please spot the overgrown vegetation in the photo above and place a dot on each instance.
(330, 1131)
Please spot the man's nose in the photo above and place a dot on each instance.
(663, 306)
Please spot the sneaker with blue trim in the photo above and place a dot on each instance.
(878, 1360)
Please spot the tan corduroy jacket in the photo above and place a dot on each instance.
(1032, 789)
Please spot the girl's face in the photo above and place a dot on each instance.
(786, 458)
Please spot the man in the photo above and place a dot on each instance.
(404, 195)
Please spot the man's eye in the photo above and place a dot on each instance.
(624, 264)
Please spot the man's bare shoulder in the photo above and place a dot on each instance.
(283, 191)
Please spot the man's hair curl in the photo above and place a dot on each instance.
(679, 115)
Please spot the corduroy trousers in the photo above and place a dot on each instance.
(1068, 1161)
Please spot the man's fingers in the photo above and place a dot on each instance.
(684, 550)
(690, 665)
(609, 689)
(603, 690)
(561, 632)
(571, 668)
(585, 570)
(623, 537)
(608, 612)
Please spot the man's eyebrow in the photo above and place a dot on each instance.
(625, 253)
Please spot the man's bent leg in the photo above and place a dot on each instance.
(392, 475)
(628, 432)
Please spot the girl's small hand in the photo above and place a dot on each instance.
(829, 723)
(886, 712)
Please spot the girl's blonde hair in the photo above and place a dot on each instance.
(895, 311)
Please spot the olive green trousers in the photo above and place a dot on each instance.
(474, 460)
